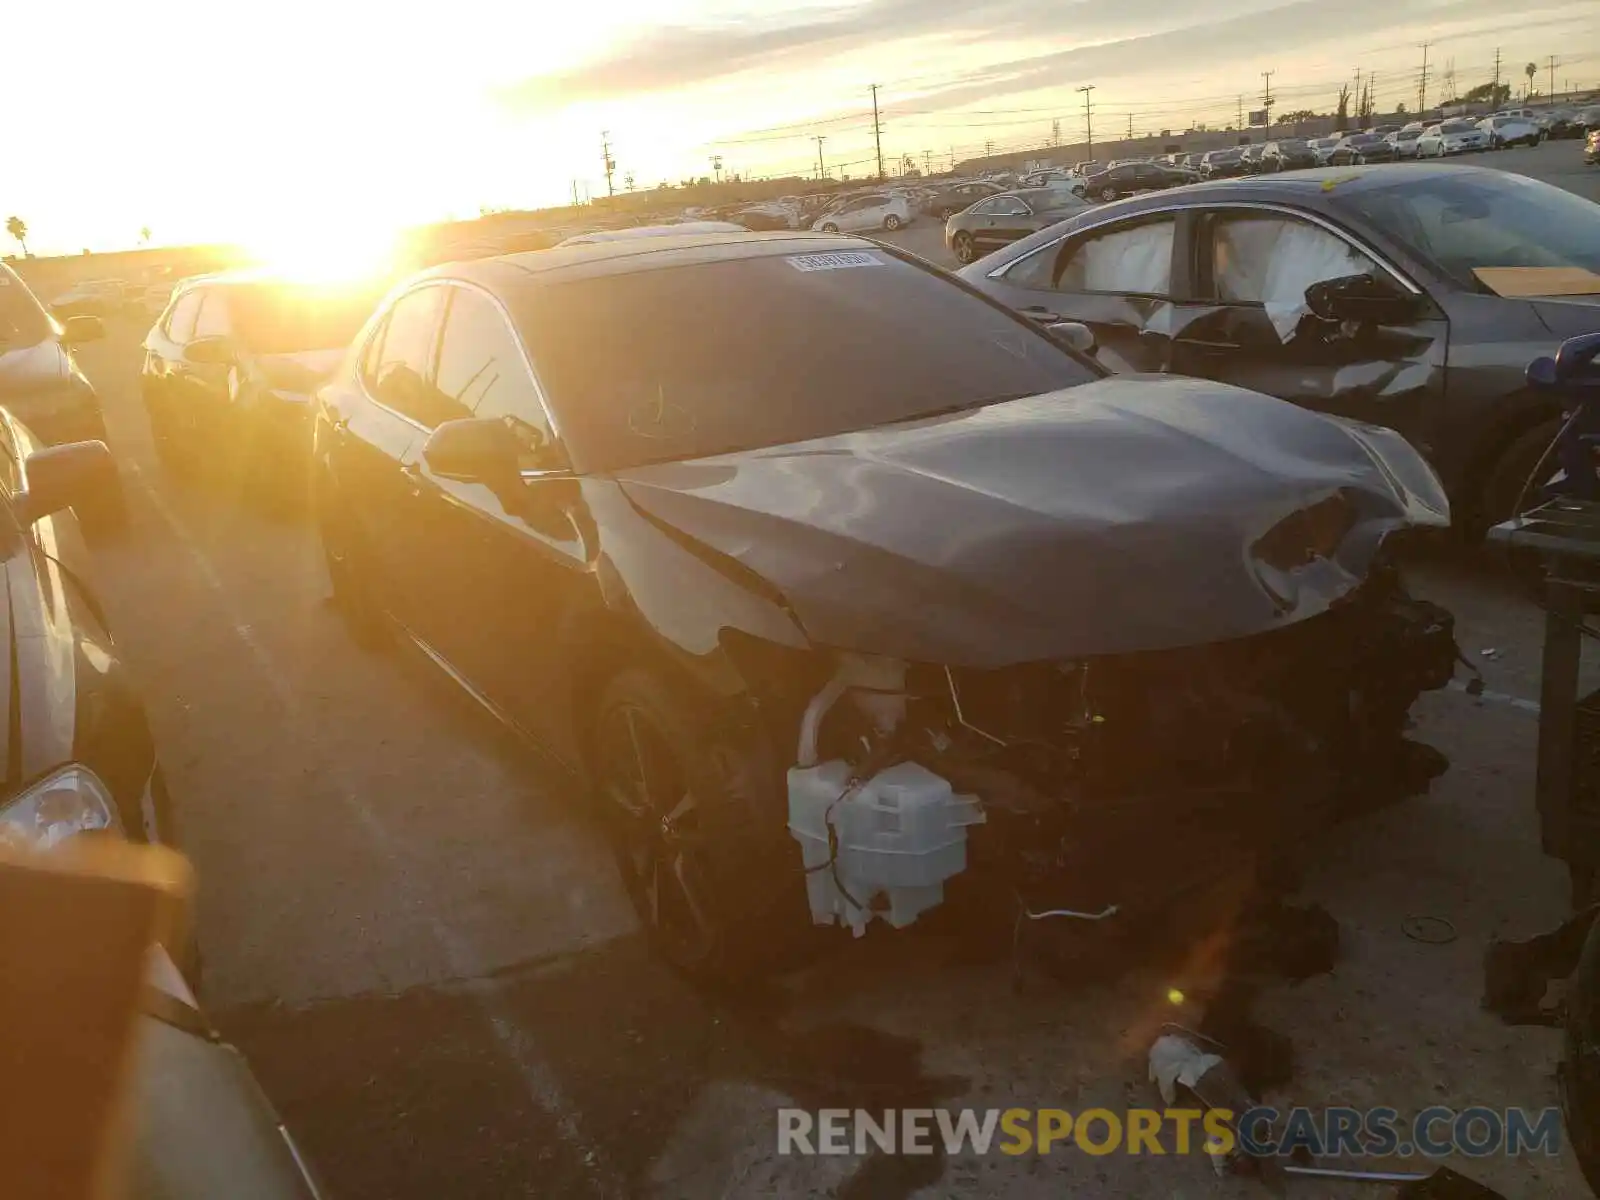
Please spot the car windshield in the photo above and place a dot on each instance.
(282, 318)
(1408, 135)
(687, 361)
(1457, 127)
(1292, 144)
(22, 321)
(1468, 222)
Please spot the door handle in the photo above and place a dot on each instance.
(413, 473)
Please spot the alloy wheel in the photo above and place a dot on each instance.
(658, 838)
(962, 244)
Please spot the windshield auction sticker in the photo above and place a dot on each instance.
(838, 260)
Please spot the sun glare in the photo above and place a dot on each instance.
(323, 253)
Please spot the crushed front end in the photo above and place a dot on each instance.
(1108, 785)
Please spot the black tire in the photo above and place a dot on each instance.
(1510, 472)
(351, 595)
(694, 808)
(830, 227)
(892, 222)
(965, 249)
(1108, 194)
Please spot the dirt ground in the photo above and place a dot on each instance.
(424, 953)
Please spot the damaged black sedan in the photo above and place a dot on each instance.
(834, 581)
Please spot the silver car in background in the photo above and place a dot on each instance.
(873, 211)
(1451, 137)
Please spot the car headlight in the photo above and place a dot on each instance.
(66, 802)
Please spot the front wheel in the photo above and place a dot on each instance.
(694, 812)
(830, 227)
(965, 248)
(892, 222)
(1108, 194)
(1509, 478)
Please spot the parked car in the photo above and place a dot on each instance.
(1404, 142)
(89, 298)
(229, 369)
(1430, 349)
(40, 380)
(1511, 131)
(874, 211)
(1287, 154)
(649, 231)
(673, 548)
(77, 741)
(199, 1124)
(764, 217)
(1250, 156)
(1323, 148)
(1128, 178)
(1004, 218)
(1360, 148)
(1451, 137)
(1223, 164)
(958, 197)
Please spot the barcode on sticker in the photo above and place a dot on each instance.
(839, 260)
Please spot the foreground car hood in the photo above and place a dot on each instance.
(1118, 516)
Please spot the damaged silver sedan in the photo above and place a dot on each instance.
(842, 588)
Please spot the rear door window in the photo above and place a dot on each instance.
(212, 319)
(400, 374)
(482, 369)
(180, 321)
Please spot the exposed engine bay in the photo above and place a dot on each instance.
(1093, 788)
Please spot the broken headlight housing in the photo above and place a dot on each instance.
(67, 802)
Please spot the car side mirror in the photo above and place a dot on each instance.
(75, 331)
(58, 477)
(1075, 334)
(213, 350)
(1573, 366)
(1363, 298)
(474, 450)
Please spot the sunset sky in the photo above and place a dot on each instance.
(308, 123)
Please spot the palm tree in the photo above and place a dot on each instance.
(1530, 71)
(144, 234)
(18, 228)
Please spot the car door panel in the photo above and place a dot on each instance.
(499, 568)
(378, 422)
(1256, 333)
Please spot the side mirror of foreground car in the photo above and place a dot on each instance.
(77, 474)
(1075, 334)
(1364, 298)
(75, 331)
(476, 450)
(213, 350)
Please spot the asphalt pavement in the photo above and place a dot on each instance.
(421, 946)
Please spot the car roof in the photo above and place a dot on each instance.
(563, 264)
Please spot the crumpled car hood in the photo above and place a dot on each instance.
(1122, 515)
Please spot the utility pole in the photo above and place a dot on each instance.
(1241, 125)
(574, 193)
(1130, 127)
(1358, 91)
(716, 165)
(1088, 117)
(1055, 132)
(927, 162)
(610, 163)
(822, 172)
(1496, 92)
(988, 148)
(877, 129)
(1551, 99)
(1422, 85)
(1266, 95)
